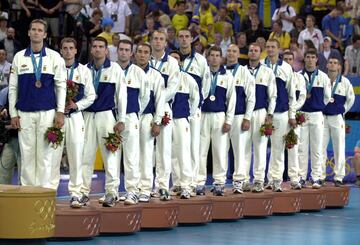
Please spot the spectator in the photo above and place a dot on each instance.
(113, 55)
(235, 9)
(73, 8)
(137, 16)
(255, 30)
(329, 52)
(180, 20)
(299, 26)
(251, 14)
(244, 50)
(164, 21)
(93, 28)
(227, 38)
(119, 12)
(107, 25)
(322, 8)
(352, 58)
(286, 14)
(10, 44)
(172, 43)
(3, 27)
(28, 12)
(206, 20)
(277, 33)
(311, 33)
(5, 67)
(221, 20)
(158, 5)
(149, 28)
(298, 55)
(331, 26)
(50, 12)
(266, 7)
(88, 9)
(356, 162)
(262, 43)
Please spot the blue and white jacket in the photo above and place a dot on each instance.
(225, 96)
(112, 91)
(24, 95)
(244, 84)
(300, 86)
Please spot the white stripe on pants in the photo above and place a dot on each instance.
(311, 134)
(239, 139)
(130, 148)
(36, 152)
(97, 126)
(277, 163)
(146, 154)
(211, 130)
(181, 160)
(259, 144)
(163, 153)
(195, 126)
(74, 133)
(334, 128)
(293, 159)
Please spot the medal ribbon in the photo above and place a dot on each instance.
(213, 83)
(312, 80)
(70, 77)
(96, 76)
(235, 69)
(189, 64)
(267, 61)
(37, 67)
(335, 86)
(160, 66)
(257, 70)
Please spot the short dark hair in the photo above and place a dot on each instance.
(288, 53)
(333, 57)
(311, 51)
(100, 39)
(40, 21)
(146, 44)
(125, 41)
(355, 38)
(215, 48)
(175, 52)
(68, 40)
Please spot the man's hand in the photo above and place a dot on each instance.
(15, 122)
(119, 127)
(155, 130)
(268, 119)
(292, 123)
(70, 105)
(226, 128)
(245, 125)
(59, 120)
(4, 113)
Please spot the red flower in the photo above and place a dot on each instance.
(166, 119)
(266, 129)
(347, 129)
(52, 137)
(300, 118)
(112, 142)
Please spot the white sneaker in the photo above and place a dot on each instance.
(144, 198)
(131, 199)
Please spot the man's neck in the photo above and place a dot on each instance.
(124, 64)
(158, 54)
(274, 59)
(2, 62)
(230, 63)
(327, 49)
(310, 69)
(310, 29)
(36, 47)
(214, 68)
(142, 66)
(99, 62)
(185, 51)
(69, 62)
(254, 63)
(333, 75)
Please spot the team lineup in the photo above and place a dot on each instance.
(167, 108)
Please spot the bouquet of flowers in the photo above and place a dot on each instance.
(54, 136)
(72, 90)
(266, 129)
(166, 119)
(291, 139)
(347, 128)
(300, 118)
(112, 142)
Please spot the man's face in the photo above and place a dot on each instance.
(357, 44)
(158, 41)
(272, 49)
(333, 65)
(115, 40)
(10, 33)
(98, 50)
(68, 50)
(326, 44)
(310, 61)
(37, 32)
(232, 54)
(309, 22)
(214, 58)
(2, 55)
(124, 52)
(254, 53)
(142, 55)
(241, 40)
(184, 39)
(289, 59)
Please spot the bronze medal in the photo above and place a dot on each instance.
(38, 84)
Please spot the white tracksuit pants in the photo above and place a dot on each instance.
(36, 153)
(97, 126)
(277, 157)
(293, 159)
(334, 128)
(74, 132)
(146, 154)
(311, 134)
(163, 154)
(195, 127)
(131, 150)
(259, 144)
(239, 139)
(181, 160)
(211, 131)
